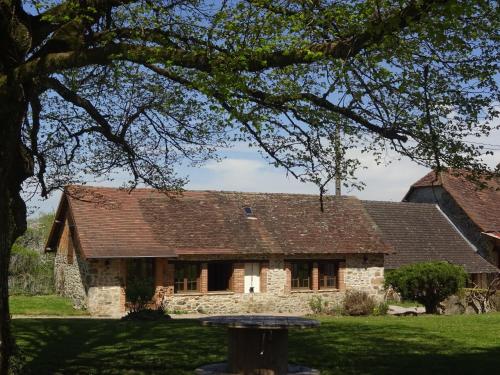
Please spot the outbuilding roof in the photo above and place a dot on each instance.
(111, 222)
(420, 232)
(481, 205)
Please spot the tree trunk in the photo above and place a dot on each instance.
(15, 168)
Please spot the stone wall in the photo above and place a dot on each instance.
(361, 272)
(70, 271)
(96, 284)
(104, 281)
(237, 303)
(366, 273)
(106, 292)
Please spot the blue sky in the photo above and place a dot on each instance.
(243, 169)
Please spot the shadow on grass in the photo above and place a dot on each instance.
(343, 346)
(84, 346)
(391, 348)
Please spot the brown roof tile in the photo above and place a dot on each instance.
(481, 205)
(420, 232)
(112, 222)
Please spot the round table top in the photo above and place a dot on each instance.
(259, 321)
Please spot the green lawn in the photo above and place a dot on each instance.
(344, 345)
(42, 305)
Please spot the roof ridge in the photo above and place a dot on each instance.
(94, 187)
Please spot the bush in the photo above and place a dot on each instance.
(147, 314)
(381, 309)
(428, 283)
(317, 305)
(30, 273)
(139, 293)
(358, 303)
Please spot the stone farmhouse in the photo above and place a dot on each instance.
(229, 252)
(475, 212)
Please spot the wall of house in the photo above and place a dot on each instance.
(105, 281)
(437, 195)
(95, 284)
(360, 273)
(106, 291)
(70, 271)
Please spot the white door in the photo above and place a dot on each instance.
(252, 277)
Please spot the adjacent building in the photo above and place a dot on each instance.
(473, 209)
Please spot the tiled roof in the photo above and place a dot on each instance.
(420, 232)
(481, 205)
(115, 223)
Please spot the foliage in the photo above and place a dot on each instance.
(427, 344)
(358, 303)
(160, 84)
(30, 272)
(318, 305)
(381, 309)
(157, 314)
(37, 233)
(43, 305)
(139, 292)
(428, 283)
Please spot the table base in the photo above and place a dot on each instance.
(223, 369)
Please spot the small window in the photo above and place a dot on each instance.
(328, 272)
(248, 211)
(186, 277)
(301, 275)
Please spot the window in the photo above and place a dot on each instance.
(219, 274)
(186, 277)
(328, 272)
(301, 275)
(140, 275)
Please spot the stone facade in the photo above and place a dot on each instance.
(365, 273)
(106, 291)
(96, 284)
(70, 271)
(99, 284)
(360, 272)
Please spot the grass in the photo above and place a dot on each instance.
(462, 344)
(42, 305)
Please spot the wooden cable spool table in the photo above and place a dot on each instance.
(257, 345)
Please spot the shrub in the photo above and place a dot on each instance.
(317, 305)
(139, 293)
(381, 309)
(147, 314)
(428, 283)
(30, 273)
(358, 303)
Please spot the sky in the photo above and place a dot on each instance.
(243, 169)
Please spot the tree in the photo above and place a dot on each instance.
(428, 283)
(91, 86)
